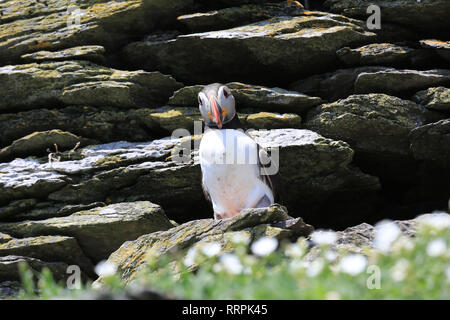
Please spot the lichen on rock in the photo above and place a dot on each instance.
(81, 83)
(132, 255)
(91, 227)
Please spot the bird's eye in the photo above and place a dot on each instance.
(200, 102)
(226, 93)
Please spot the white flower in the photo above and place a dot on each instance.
(264, 246)
(240, 237)
(231, 263)
(438, 220)
(436, 247)
(217, 267)
(315, 268)
(400, 270)
(386, 232)
(294, 251)
(403, 243)
(211, 249)
(105, 268)
(353, 264)
(189, 260)
(296, 265)
(321, 237)
(330, 255)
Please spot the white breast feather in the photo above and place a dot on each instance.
(228, 159)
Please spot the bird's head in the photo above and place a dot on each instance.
(216, 104)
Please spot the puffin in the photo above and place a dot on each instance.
(232, 162)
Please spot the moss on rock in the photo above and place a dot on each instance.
(131, 257)
(374, 123)
(100, 230)
(81, 83)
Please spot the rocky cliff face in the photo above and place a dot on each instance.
(91, 92)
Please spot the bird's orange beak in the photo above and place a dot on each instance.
(216, 113)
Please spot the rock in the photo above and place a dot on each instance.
(128, 172)
(130, 258)
(392, 32)
(108, 125)
(344, 82)
(424, 15)
(386, 54)
(431, 143)
(435, 44)
(9, 268)
(24, 178)
(99, 231)
(266, 120)
(442, 47)
(167, 119)
(89, 53)
(104, 124)
(251, 96)
(272, 99)
(16, 207)
(437, 98)
(55, 25)
(49, 249)
(400, 82)
(298, 46)
(237, 16)
(378, 127)
(334, 154)
(186, 96)
(81, 83)
(176, 187)
(318, 165)
(371, 123)
(333, 85)
(45, 210)
(320, 169)
(113, 155)
(4, 238)
(38, 143)
(9, 289)
(101, 124)
(32, 178)
(357, 239)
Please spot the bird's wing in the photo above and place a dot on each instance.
(273, 181)
(206, 192)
